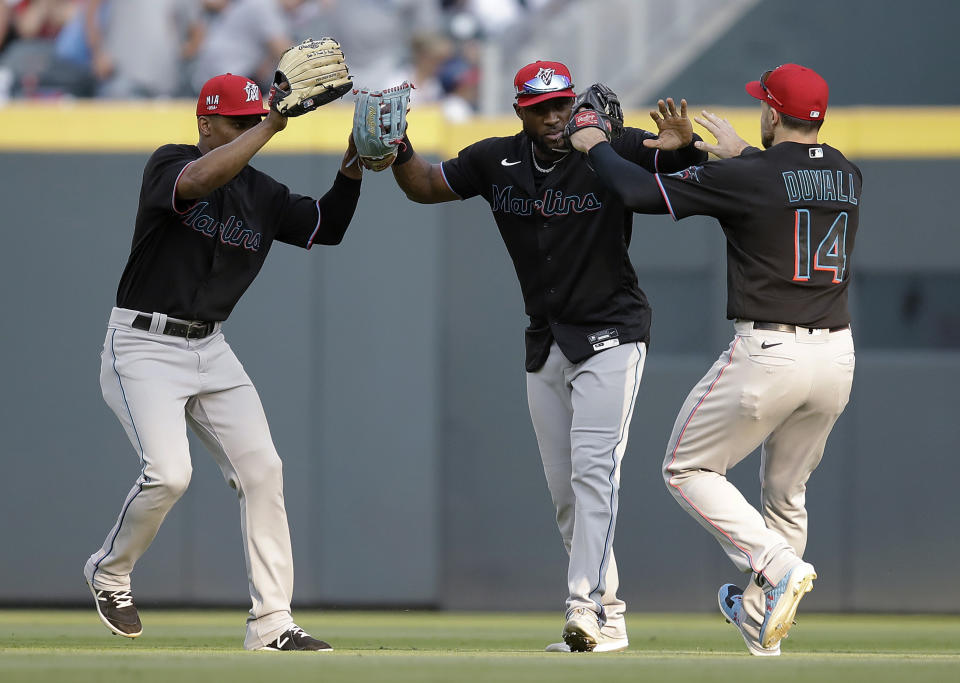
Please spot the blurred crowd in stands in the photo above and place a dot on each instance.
(128, 49)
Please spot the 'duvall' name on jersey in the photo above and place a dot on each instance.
(819, 184)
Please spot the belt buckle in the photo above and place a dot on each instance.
(201, 327)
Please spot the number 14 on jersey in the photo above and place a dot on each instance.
(830, 255)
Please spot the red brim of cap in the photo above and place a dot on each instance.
(754, 89)
(254, 109)
(248, 109)
(530, 100)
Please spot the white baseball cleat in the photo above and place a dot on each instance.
(581, 633)
(781, 602)
(604, 644)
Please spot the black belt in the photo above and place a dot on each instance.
(195, 329)
(783, 327)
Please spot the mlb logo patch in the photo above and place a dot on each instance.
(814, 114)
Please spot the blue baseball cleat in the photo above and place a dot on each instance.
(730, 598)
(781, 602)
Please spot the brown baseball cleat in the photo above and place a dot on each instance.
(117, 612)
(295, 638)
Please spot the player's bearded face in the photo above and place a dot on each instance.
(766, 126)
(544, 123)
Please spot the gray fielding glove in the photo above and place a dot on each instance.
(379, 124)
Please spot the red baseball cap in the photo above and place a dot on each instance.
(542, 81)
(230, 95)
(793, 90)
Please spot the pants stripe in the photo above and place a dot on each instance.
(677, 447)
(613, 489)
(142, 479)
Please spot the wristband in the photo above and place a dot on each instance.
(405, 153)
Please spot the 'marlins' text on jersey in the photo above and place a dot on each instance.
(825, 185)
(230, 231)
(554, 202)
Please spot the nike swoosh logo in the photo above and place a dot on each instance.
(504, 162)
(765, 345)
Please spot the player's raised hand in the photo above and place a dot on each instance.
(729, 143)
(350, 165)
(674, 128)
(276, 120)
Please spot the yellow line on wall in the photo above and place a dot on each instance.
(98, 127)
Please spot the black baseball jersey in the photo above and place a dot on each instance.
(567, 235)
(790, 216)
(195, 259)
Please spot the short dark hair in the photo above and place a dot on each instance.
(800, 125)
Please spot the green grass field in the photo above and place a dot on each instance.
(187, 646)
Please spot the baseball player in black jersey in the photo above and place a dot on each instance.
(568, 235)
(790, 217)
(205, 223)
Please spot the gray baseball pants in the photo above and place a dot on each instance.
(782, 391)
(158, 384)
(581, 415)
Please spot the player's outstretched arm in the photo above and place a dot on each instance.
(729, 143)
(637, 187)
(422, 181)
(219, 165)
(338, 205)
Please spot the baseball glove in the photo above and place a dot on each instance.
(588, 118)
(379, 124)
(600, 98)
(313, 73)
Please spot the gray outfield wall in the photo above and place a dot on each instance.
(391, 369)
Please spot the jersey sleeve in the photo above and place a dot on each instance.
(464, 173)
(630, 146)
(304, 221)
(717, 188)
(160, 177)
(297, 216)
(298, 219)
(636, 187)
